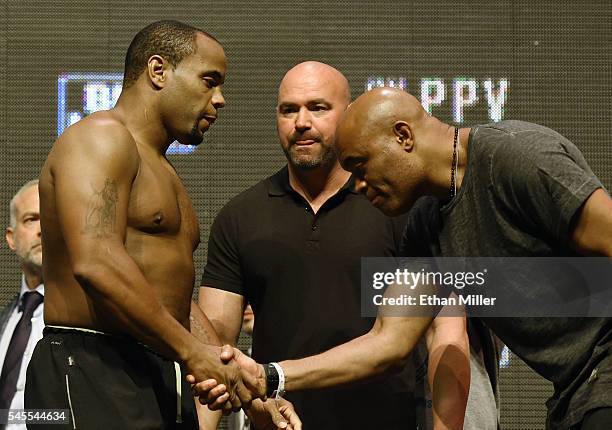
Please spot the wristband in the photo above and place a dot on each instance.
(280, 391)
(275, 380)
(271, 379)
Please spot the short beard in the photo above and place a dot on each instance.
(195, 138)
(325, 158)
(32, 262)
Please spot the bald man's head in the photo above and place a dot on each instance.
(375, 140)
(311, 99)
(380, 111)
(318, 74)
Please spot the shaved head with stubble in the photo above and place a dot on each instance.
(311, 99)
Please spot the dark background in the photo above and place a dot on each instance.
(555, 55)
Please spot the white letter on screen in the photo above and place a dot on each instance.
(496, 98)
(464, 94)
(432, 93)
(97, 97)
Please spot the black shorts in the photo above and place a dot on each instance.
(107, 382)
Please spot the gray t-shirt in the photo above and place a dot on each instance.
(523, 185)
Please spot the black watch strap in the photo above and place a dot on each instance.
(272, 379)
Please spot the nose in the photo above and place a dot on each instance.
(218, 100)
(302, 120)
(361, 186)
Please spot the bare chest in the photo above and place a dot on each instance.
(159, 205)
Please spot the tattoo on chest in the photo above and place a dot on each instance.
(101, 214)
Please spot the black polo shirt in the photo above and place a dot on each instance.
(301, 273)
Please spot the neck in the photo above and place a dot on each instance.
(462, 154)
(440, 169)
(33, 277)
(140, 116)
(317, 185)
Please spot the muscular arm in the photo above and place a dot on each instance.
(201, 327)
(385, 345)
(448, 370)
(592, 228)
(224, 310)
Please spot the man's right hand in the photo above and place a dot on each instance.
(214, 393)
(204, 366)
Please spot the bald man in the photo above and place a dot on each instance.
(291, 247)
(526, 190)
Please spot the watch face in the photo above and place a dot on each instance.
(272, 379)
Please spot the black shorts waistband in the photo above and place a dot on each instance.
(56, 329)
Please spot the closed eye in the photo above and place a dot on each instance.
(210, 82)
(354, 165)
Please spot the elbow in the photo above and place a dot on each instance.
(394, 355)
(87, 273)
(397, 365)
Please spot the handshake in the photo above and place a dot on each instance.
(228, 380)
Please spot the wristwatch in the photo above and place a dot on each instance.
(275, 380)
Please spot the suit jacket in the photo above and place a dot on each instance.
(5, 313)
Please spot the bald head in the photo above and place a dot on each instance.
(379, 111)
(311, 99)
(315, 74)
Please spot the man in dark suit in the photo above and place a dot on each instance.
(21, 321)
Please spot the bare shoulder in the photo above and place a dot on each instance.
(99, 138)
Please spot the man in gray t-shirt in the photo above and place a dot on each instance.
(506, 189)
(522, 187)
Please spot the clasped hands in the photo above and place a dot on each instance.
(240, 382)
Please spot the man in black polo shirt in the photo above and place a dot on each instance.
(291, 247)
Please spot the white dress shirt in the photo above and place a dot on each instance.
(37, 328)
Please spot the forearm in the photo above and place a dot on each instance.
(207, 419)
(221, 313)
(203, 330)
(449, 376)
(384, 346)
(201, 327)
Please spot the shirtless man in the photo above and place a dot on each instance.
(119, 231)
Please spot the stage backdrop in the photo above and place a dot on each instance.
(468, 62)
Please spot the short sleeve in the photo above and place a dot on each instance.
(223, 270)
(545, 184)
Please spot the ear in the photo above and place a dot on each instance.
(9, 238)
(403, 135)
(157, 71)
